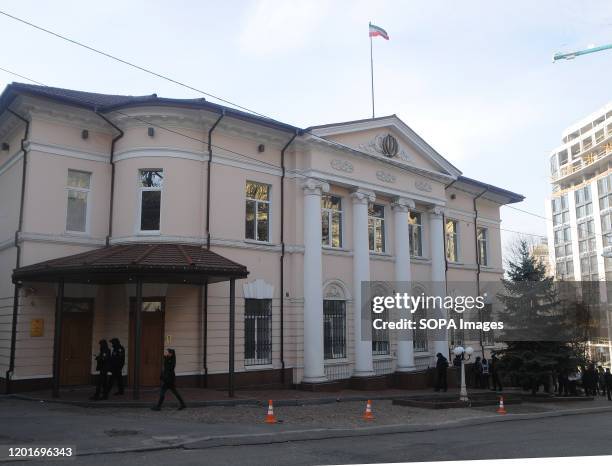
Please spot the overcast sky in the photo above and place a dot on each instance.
(474, 78)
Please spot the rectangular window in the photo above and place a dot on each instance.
(452, 240)
(419, 335)
(483, 240)
(78, 187)
(415, 230)
(584, 206)
(376, 227)
(257, 331)
(151, 183)
(331, 220)
(334, 328)
(257, 221)
(380, 337)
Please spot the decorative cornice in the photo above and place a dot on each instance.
(386, 177)
(342, 165)
(313, 187)
(423, 186)
(61, 239)
(10, 161)
(401, 204)
(363, 196)
(67, 151)
(436, 211)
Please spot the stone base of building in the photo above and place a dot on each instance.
(264, 379)
(417, 380)
(374, 382)
(330, 386)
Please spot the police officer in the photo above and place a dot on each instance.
(441, 365)
(117, 361)
(102, 367)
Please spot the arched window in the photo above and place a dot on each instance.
(334, 320)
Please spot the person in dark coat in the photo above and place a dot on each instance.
(441, 366)
(117, 361)
(102, 368)
(563, 383)
(608, 383)
(495, 378)
(168, 379)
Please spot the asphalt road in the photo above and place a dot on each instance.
(577, 435)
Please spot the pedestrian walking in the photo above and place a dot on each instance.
(601, 381)
(608, 383)
(102, 368)
(495, 377)
(441, 366)
(117, 361)
(168, 380)
(484, 377)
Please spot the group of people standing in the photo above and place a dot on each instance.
(594, 381)
(109, 361)
(112, 361)
(483, 370)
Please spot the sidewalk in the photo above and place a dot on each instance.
(100, 431)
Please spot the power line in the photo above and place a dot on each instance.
(261, 162)
(164, 77)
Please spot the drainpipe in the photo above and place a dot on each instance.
(210, 155)
(11, 368)
(282, 258)
(112, 187)
(204, 288)
(478, 256)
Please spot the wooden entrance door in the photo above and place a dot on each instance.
(75, 347)
(152, 340)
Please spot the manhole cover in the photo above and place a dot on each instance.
(121, 432)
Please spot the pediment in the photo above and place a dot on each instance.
(388, 138)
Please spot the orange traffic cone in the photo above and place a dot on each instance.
(501, 409)
(270, 417)
(368, 415)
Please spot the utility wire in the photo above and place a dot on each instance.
(260, 162)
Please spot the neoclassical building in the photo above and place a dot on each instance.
(240, 241)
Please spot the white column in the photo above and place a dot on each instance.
(405, 348)
(438, 269)
(314, 370)
(364, 366)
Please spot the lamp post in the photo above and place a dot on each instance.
(461, 351)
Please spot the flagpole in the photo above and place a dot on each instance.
(372, 73)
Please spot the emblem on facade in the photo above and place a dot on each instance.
(423, 186)
(387, 145)
(333, 292)
(384, 176)
(342, 165)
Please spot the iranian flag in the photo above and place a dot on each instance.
(378, 31)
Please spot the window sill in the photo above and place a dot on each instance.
(149, 233)
(382, 357)
(422, 354)
(79, 234)
(260, 243)
(336, 362)
(258, 367)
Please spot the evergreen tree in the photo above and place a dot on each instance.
(540, 338)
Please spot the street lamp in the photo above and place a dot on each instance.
(460, 351)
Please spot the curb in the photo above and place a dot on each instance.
(314, 434)
(205, 403)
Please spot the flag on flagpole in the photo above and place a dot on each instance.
(378, 31)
